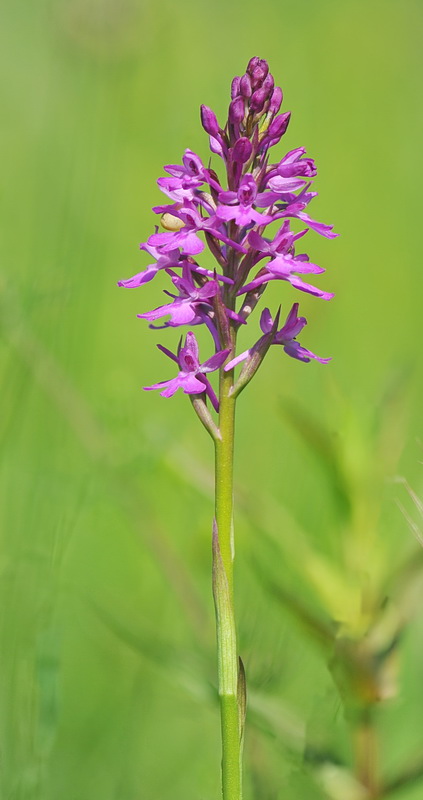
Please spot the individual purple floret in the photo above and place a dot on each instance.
(286, 337)
(169, 260)
(186, 236)
(187, 179)
(239, 205)
(190, 305)
(283, 263)
(192, 376)
(294, 164)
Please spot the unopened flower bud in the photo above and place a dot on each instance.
(275, 100)
(236, 110)
(245, 86)
(235, 87)
(242, 150)
(209, 121)
(257, 69)
(252, 64)
(258, 100)
(216, 146)
(279, 125)
(268, 84)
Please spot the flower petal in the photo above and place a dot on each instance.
(215, 362)
(140, 278)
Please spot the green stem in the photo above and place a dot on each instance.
(224, 452)
(225, 619)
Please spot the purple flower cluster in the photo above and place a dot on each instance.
(231, 218)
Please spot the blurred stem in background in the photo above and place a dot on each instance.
(353, 604)
(366, 756)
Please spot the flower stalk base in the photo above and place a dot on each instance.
(223, 557)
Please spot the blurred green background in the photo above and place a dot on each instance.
(107, 684)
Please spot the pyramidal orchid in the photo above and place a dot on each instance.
(219, 257)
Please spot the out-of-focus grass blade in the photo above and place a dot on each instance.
(273, 716)
(323, 445)
(101, 447)
(391, 416)
(340, 784)
(410, 776)
(178, 666)
(316, 628)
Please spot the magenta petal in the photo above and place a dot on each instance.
(226, 212)
(295, 350)
(303, 265)
(319, 227)
(156, 313)
(174, 169)
(250, 287)
(209, 289)
(237, 360)
(266, 321)
(292, 327)
(190, 243)
(293, 155)
(307, 287)
(169, 183)
(168, 353)
(211, 393)
(245, 215)
(215, 361)
(190, 384)
(166, 209)
(237, 317)
(140, 278)
(191, 345)
(182, 313)
(228, 197)
(166, 240)
(287, 264)
(293, 323)
(257, 242)
(225, 239)
(265, 199)
(282, 185)
(215, 146)
(192, 163)
(261, 219)
(170, 387)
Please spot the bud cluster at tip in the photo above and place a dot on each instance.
(253, 111)
(255, 100)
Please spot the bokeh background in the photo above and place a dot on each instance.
(107, 684)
